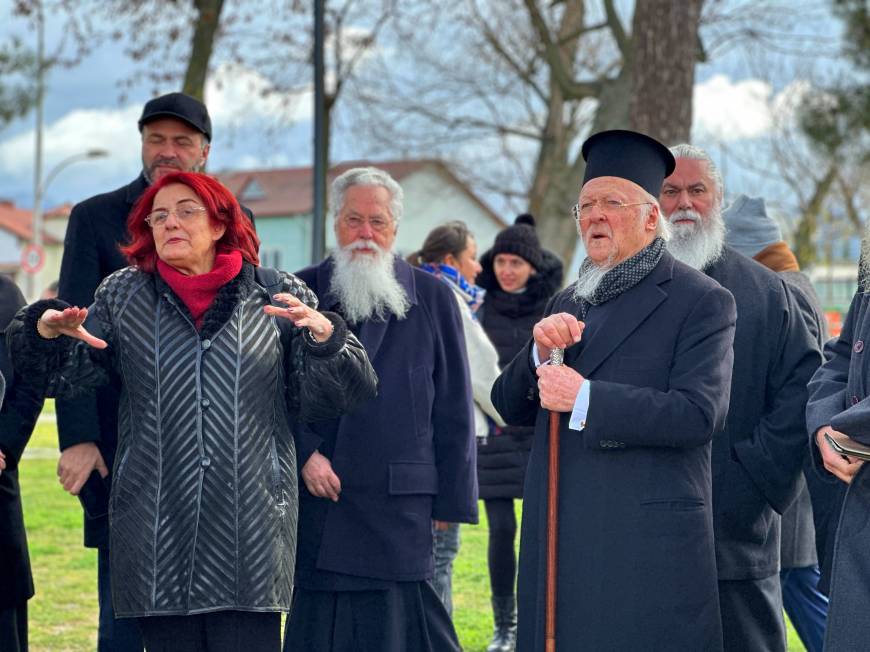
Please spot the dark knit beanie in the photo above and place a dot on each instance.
(521, 239)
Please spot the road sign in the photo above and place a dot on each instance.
(32, 258)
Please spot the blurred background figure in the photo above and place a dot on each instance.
(20, 409)
(50, 292)
(450, 254)
(519, 278)
(807, 532)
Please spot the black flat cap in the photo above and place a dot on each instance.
(181, 107)
(628, 155)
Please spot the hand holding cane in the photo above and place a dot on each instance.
(556, 358)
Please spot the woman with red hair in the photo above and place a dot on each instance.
(204, 493)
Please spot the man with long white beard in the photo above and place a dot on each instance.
(643, 389)
(376, 478)
(757, 459)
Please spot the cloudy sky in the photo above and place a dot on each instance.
(732, 107)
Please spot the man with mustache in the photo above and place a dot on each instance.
(643, 389)
(757, 459)
(375, 479)
(176, 135)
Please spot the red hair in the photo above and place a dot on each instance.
(222, 208)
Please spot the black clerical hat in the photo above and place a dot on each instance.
(628, 155)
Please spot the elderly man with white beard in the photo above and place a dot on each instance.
(376, 479)
(643, 389)
(757, 459)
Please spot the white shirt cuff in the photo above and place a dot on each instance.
(581, 407)
(535, 359)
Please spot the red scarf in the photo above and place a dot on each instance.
(198, 292)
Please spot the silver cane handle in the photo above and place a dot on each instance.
(557, 356)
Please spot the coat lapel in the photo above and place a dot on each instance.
(626, 313)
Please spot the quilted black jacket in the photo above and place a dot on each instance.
(203, 508)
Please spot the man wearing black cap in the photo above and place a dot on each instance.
(757, 460)
(643, 389)
(176, 135)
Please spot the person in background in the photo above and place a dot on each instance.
(758, 458)
(203, 506)
(20, 409)
(519, 278)
(756, 235)
(376, 478)
(450, 254)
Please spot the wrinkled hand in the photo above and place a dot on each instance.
(842, 467)
(2, 462)
(320, 479)
(558, 386)
(67, 322)
(557, 331)
(76, 464)
(302, 316)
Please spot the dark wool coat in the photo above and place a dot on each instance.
(803, 543)
(757, 460)
(203, 507)
(507, 320)
(403, 458)
(840, 397)
(21, 407)
(636, 558)
(96, 228)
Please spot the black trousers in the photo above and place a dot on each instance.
(752, 617)
(13, 628)
(220, 631)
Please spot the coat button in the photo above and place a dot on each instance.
(205, 402)
(205, 462)
(602, 443)
(855, 400)
(859, 346)
(206, 345)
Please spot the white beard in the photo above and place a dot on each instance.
(366, 285)
(700, 243)
(588, 281)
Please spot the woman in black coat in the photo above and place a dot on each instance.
(18, 416)
(519, 278)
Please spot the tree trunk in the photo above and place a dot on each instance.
(203, 44)
(665, 44)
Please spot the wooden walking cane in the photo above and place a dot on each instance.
(556, 358)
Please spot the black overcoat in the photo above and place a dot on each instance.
(405, 457)
(840, 397)
(757, 460)
(636, 558)
(21, 407)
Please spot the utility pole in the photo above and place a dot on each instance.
(37, 159)
(318, 227)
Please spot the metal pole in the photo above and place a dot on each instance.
(32, 285)
(318, 227)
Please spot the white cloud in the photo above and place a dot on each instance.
(730, 110)
(237, 94)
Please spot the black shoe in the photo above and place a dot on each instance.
(504, 611)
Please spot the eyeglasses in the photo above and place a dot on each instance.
(606, 206)
(356, 222)
(183, 213)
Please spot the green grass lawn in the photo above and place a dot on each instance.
(63, 614)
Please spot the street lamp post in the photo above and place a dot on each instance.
(39, 192)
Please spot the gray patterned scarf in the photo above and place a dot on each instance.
(623, 276)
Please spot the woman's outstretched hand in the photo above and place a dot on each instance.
(67, 322)
(302, 316)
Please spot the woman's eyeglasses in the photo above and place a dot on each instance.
(183, 213)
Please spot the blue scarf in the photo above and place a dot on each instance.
(472, 294)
